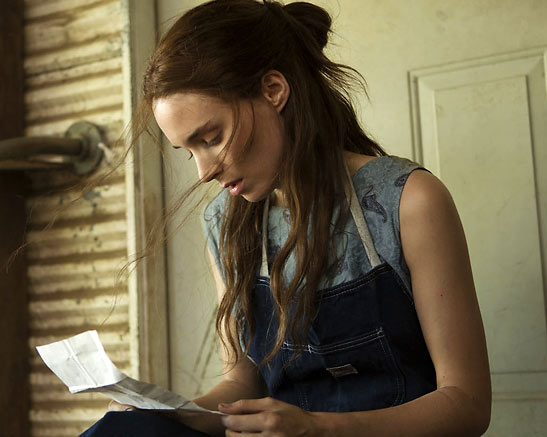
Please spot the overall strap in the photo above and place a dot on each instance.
(358, 217)
(264, 267)
(362, 227)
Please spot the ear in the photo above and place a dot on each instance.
(275, 89)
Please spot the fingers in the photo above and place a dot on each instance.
(250, 423)
(268, 421)
(251, 415)
(115, 406)
(266, 416)
(246, 406)
(239, 434)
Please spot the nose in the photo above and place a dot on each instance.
(208, 167)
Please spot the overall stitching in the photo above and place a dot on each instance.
(300, 388)
(396, 371)
(338, 346)
(405, 289)
(352, 285)
(327, 293)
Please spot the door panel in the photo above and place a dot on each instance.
(474, 129)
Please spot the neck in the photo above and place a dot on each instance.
(353, 160)
(277, 198)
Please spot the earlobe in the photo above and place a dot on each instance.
(276, 89)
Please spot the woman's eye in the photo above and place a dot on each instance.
(213, 142)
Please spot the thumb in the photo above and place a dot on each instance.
(245, 406)
(115, 406)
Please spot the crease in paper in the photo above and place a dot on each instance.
(83, 365)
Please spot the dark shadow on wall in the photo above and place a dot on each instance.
(14, 367)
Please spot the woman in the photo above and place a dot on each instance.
(347, 304)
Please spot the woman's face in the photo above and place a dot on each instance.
(203, 126)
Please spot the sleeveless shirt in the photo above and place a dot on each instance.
(378, 184)
(365, 349)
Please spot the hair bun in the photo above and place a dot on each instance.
(315, 18)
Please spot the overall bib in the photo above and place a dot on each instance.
(365, 349)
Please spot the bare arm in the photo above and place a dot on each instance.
(436, 252)
(435, 249)
(243, 381)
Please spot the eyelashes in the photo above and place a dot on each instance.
(211, 143)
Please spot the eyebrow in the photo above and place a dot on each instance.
(203, 129)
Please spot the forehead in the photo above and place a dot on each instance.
(188, 102)
(179, 114)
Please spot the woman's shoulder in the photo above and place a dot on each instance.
(424, 197)
(386, 175)
(379, 185)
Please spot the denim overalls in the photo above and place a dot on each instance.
(365, 349)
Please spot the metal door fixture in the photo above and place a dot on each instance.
(81, 151)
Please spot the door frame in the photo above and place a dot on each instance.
(149, 322)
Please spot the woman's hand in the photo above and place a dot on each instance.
(267, 416)
(114, 406)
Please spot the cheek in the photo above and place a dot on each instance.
(273, 138)
(241, 147)
(277, 149)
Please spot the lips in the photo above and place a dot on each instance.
(234, 182)
(234, 187)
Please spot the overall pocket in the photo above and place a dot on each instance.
(354, 374)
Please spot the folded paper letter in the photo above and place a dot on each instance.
(82, 364)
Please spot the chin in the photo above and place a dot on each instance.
(253, 198)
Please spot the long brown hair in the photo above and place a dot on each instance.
(223, 48)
